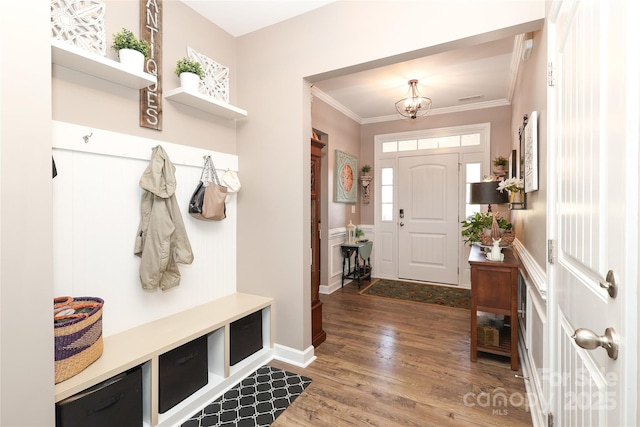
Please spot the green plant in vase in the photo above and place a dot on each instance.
(476, 224)
(125, 39)
(186, 65)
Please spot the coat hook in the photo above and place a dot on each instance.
(86, 137)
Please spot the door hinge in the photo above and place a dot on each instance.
(550, 419)
(551, 251)
(550, 76)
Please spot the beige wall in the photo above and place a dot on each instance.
(26, 223)
(531, 95)
(499, 117)
(272, 65)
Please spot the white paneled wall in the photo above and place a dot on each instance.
(96, 216)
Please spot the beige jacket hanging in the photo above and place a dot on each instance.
(162, 240)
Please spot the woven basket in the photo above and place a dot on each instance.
(506, 239)
(78, 338)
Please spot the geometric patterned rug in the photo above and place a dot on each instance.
(256, 401)
(420, 292)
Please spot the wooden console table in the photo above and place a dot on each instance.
(494, 289)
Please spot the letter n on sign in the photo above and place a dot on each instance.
(151, 31)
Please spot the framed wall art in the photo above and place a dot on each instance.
(513, 164)
(531, 153)
(346, 178)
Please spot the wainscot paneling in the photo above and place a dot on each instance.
(534, 343)
(96, 215)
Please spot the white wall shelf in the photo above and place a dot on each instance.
(70, 56)
(206, 103)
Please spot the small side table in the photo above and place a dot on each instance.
(494, 289)
(359, 272)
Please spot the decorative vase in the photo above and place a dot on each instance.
(190, 82)
(515, 197)
(132, 59)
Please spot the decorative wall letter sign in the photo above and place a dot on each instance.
(151, 31)
(80, 23)
(215, 82)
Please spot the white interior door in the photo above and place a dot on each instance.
(592, 220)
(428, 209)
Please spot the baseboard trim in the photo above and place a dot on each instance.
(294, 357)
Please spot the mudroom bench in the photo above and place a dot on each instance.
(247, 318)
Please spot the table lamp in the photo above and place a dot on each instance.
(486, 193)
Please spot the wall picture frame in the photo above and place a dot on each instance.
(346, 178)
(513, 164)
(531, 153)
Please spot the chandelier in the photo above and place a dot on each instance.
(414, 105)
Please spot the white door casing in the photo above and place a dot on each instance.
(428, 245)
(592, 209)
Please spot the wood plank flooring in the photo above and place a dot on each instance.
(398, 363)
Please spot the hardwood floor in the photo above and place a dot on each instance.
(396, 363)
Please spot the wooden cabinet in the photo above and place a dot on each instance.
(318, 335)
(494, 289)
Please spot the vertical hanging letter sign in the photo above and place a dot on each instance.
(151, 31)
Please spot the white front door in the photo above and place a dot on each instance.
(428, 218)
(592, 209)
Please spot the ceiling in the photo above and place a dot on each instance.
(479, 76)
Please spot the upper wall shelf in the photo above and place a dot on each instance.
(206, 103)
(75, 58)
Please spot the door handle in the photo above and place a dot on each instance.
(610, 284)
(589, 340)
(401, 224)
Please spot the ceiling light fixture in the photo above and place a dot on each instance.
(414, 105)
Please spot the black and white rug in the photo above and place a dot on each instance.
(256, 401)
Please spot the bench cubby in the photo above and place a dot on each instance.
(143, 345)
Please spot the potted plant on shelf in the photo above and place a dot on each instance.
(365, 170)
(477, 229)
(190, 73)
(500, 163)
(515, 187)
(132, 51)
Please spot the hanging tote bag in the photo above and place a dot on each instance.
(208, 199)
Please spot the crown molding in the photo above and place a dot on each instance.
(335, 104)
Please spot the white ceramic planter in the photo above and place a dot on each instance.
(132, 60)
(190, 82)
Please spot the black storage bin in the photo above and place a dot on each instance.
(182, 371)
(114, 402)
(245, 337)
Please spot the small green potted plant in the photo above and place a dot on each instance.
(500, 163)
(190, 72)
(132, 51)
(365, 170)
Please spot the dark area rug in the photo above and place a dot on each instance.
(420, 292)
(256, 401)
